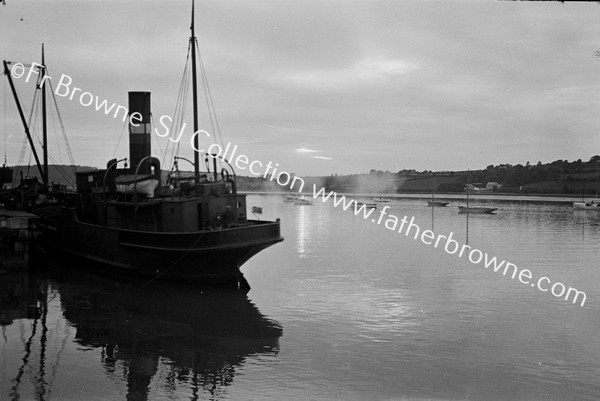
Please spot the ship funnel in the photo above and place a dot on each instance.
(139, 130)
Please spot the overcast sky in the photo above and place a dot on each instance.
(324, 87)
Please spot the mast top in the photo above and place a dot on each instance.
(192, 25)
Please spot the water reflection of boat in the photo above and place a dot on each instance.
(155, 337)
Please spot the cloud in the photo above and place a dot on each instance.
(305, 150)
(366, 70)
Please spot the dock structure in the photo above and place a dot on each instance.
(16, 234)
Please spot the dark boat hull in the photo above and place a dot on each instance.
(437, 203)
(211, 257)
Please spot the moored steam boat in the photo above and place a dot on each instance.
(136, 222)
(181, 231)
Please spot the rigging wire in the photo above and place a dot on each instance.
(68, 178)
(55, 134)
(156, 139)
(170, 132)
(179, 113)
(179, 119)
(214, 122)
(120, 137)
(33, 118)
(32, 123)
(212, 114)
(64, 133)
(24, 144)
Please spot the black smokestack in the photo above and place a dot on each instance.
(139, 130)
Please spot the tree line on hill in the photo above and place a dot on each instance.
(557, 177)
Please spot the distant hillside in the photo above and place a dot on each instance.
(558, 177)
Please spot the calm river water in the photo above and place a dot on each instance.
(343, 309)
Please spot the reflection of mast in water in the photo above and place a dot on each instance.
(14, 391)
(40, 377)
(199, 337)
(432, 209)
(467, 235)
(467, 190)
(24, 296)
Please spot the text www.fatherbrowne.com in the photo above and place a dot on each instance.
(408, 227)
(284, 179)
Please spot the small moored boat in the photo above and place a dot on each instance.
(367, 205)
(590, 205)
(474, 209)
(131, 184)
(434, 203)
(302, 201)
